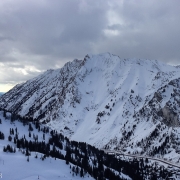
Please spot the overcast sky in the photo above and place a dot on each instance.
(36, 35)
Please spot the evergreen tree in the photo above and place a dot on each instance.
(30, 127)
(82, 173)
(9, 138)
(15, 140)
(4, 149)
(77, 170)
(29, 134)
(1, 135)
(4, 114)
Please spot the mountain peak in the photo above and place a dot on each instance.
(103, 100)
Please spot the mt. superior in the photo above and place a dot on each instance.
(130, 105)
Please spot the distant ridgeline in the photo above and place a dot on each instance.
(1, 93)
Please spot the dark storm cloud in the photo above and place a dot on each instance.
(38, 35)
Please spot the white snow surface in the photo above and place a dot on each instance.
(14, 166)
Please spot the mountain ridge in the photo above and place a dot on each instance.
(106, 101)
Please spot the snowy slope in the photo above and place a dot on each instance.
(106, 101)
(14, 166)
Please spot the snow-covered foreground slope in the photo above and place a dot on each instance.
(14, 166)
(127, 104)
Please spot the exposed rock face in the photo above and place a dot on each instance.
(170, 118)
(164, 106)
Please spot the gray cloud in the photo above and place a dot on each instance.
(146, 29)
(38, 35)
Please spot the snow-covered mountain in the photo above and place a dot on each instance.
(127, 104)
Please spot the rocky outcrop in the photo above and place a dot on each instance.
(170, 118)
